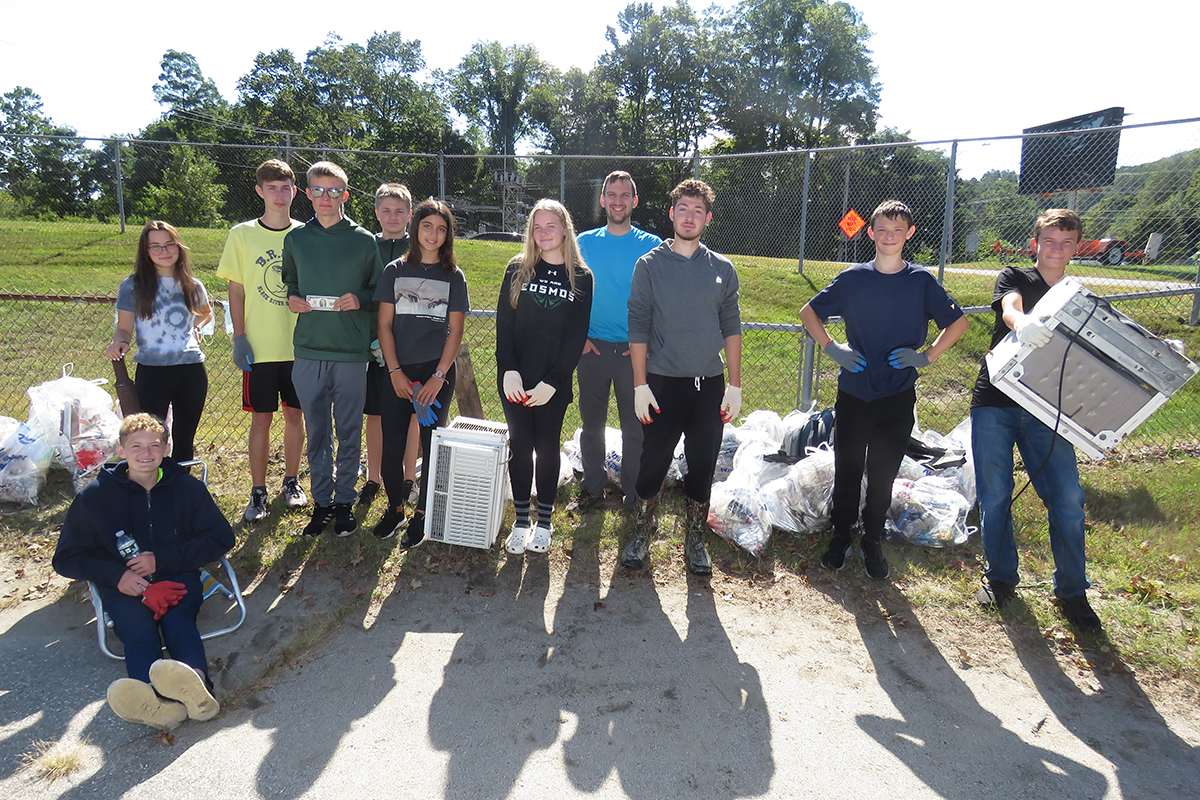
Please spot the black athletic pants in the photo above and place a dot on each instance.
(182, 387)
(537, 429)
(875, 435)
(395, 416)
(690, 407)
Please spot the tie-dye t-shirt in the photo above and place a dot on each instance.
(167, 338)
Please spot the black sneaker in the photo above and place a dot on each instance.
(995, 594)
(836, 554)
(1079, 613)
(344, 522)
(366, 495)
(872, 555)
(389, 524)
(414, 534)
(321, 516)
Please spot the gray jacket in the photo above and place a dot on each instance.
(683, 309)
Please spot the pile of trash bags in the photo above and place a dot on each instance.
(777, 473)
(71, 424)
(782, 477)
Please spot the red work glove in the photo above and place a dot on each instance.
(159, 597)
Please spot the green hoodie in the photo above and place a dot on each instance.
(332, 261)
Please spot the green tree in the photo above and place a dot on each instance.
(43, 176)
(494, 87)
(195, 109)
(794, 74)
(188, 193)
(659, 65)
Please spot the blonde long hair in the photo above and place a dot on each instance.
(531, 254)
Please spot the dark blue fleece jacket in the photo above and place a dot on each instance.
(177, 520)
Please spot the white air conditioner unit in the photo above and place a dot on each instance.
(1117, 373)
(468, 466)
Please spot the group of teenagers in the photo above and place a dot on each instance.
(332, 322)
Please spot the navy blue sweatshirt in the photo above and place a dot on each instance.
(177, 520)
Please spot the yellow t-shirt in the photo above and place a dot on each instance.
(252, 257)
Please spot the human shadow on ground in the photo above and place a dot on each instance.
(958, 748)
(1116, 719)
(670, 715)
(321, 576)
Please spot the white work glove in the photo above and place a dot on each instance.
(731, 404)
(1031, 331)
(539, 395)
(514, 387)
(643, 401)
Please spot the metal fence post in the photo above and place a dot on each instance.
(1196, 302)
(696, 164)
(948, 218)
(120, 187)
(562, 180)
(442, 175)
(808, 365)
(808, 159)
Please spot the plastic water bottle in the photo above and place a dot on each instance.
(127, 546)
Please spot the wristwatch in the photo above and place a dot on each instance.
(440, 375)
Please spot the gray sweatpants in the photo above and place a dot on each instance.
(332, 393)
(596, 374)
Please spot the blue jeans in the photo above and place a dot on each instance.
(994, 431)
(144, 638)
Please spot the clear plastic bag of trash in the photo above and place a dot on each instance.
(25, 458)
(573, 452)
(739, 508)
(76, 417)
(929, 512)
(946, 456)
(802, 499)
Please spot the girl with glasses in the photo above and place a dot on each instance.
(165, 306)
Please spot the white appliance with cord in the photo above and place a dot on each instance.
(1116, 372)
(468, 472)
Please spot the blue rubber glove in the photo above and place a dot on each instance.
(377, 351)
(425, 414)
(845, 356)
(905, 357)
(243, 354)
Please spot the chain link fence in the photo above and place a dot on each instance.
(65, 204)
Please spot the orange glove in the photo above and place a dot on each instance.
(159, 597)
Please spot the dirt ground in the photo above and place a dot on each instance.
(467, 674)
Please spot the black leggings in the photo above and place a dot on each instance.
(537, 429)
(182, 387)
(690, 407)
(395, 415)
(874, 434)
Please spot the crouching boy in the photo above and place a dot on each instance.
(140, 532)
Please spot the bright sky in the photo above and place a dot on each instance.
(948, 69)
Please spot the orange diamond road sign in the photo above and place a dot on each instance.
(851, 224)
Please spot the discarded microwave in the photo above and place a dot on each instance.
(1117, 373)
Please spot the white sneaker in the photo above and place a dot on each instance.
(135, 701)
(515, 543)
(293, 496)
(539, 541)
(256, 510)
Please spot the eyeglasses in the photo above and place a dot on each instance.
(158, 249)
(320, 191)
